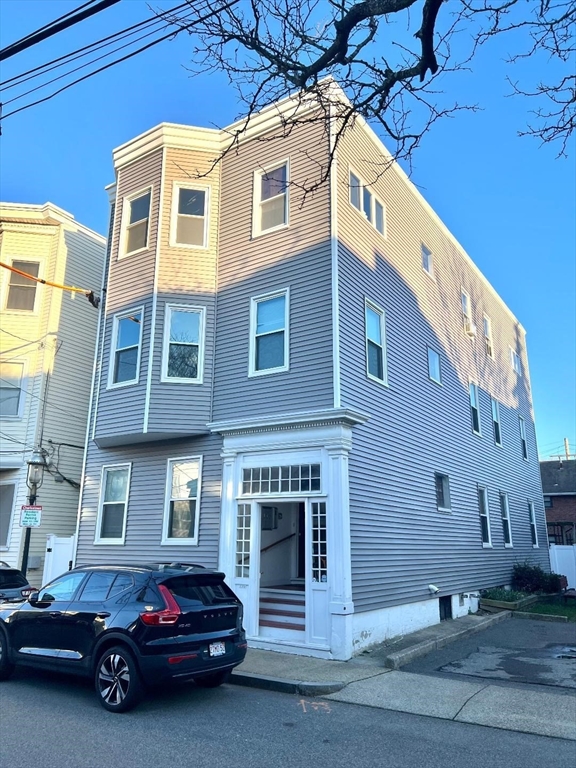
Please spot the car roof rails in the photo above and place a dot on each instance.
(177, 566)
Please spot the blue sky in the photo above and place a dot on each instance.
(510, 202)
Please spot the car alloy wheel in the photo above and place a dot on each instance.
(118, 682)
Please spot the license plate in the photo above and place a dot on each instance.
(217, 649)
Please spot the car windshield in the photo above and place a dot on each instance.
(12, 580)
(199, 590)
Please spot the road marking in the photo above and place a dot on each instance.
(317, 706)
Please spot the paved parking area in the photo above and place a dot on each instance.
(523, 653)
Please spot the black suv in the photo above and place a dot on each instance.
(128, 626)
(13, 584)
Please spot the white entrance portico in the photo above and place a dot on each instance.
(285, 529)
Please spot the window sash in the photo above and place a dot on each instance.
(114, 492)
(496, 421)
(10, 391)
(189, 229)
(21, 290)
(426, 259)
(126, 357)
(375, 331)
(434, 366)
(442, 485)
(138, 218)
(183, 356)
(465, 301)
(181, 514)
(355, 191)
(523, 441)
(505, 512)
(269, 335)
(484, 516)
(474, 408)
(364, 200)
(273, 198)
(487, 326)
(7, 498)
(533, 528)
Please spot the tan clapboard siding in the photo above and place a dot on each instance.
(400, 542)
(146, 503)
(297, 257)
(186, 276)
(130, 284)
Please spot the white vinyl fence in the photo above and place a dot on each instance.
(59, 554)
(563, 561)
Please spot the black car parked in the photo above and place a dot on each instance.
(128, 627)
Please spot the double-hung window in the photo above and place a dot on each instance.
(111, 524)
(496, 421)
(484, 516)
(434, 368)
(269, 333)
(136, 222)
(523, 441)
(7, 497)
(505, 512)
(181, 512)
(271, 198)
(426, 259)
(126, 345)
(183, 344)
(363, 199)
(515, 362)
(442, 485)
(376, 365)
(11, 399)
(487, 328)
(474, 408)
(466, 307)
(532, 519)
(21, 290)
(189, 217)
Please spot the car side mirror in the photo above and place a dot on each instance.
(33, 597)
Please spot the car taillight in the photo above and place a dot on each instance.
(27, 592)
(169, 615)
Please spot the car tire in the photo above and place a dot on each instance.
(117, 680)
(214, 680)
(6, 666)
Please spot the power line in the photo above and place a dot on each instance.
(44, 400)
(85, 50)
(64, 22)
(88, 63)
(174, 33)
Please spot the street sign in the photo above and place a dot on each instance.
(30, 516)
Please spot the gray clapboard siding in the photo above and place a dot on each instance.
(146, 503)
(297, 258)
(400, 542)
(120, 414)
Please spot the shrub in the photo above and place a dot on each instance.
(499, 593)
(532, 578)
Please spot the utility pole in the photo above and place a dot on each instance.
(567, 448)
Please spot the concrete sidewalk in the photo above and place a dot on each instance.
(372, 679)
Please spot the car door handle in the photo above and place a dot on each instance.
(102, 615)
(55, 613)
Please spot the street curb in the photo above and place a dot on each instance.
(540, 617)
(252, 680)
(403, 657)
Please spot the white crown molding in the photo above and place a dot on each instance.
(299, 420)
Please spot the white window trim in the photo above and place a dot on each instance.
(477, 391)
(372, 205)
(523, 437)
(6, 547)
(254, 301)
(368, 303)
(166, 519)
(515, 356)
(436, 381)
(484, 491)
(122, 254)
(507, 504)
(23, 388)
(256, 195)
(97, 538)
(467, 316)
(41, 261)
(166, 343)
(112, 356)
(532, 514)
(429, 272)
(490, 337)
(176, 187)
(495, 402)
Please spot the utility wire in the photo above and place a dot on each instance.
(85, 50)
(56, 26)
(92, 61)
(174, 33)
(43, 399)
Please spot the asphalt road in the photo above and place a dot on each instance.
(47, 720)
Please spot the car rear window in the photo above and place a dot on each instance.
(199, 590)
(12, 579)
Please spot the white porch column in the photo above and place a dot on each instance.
(228, 517)
(339, 565)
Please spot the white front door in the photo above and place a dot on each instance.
(247, 564)
(317, 574)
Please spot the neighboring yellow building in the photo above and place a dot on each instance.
(47, 339)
